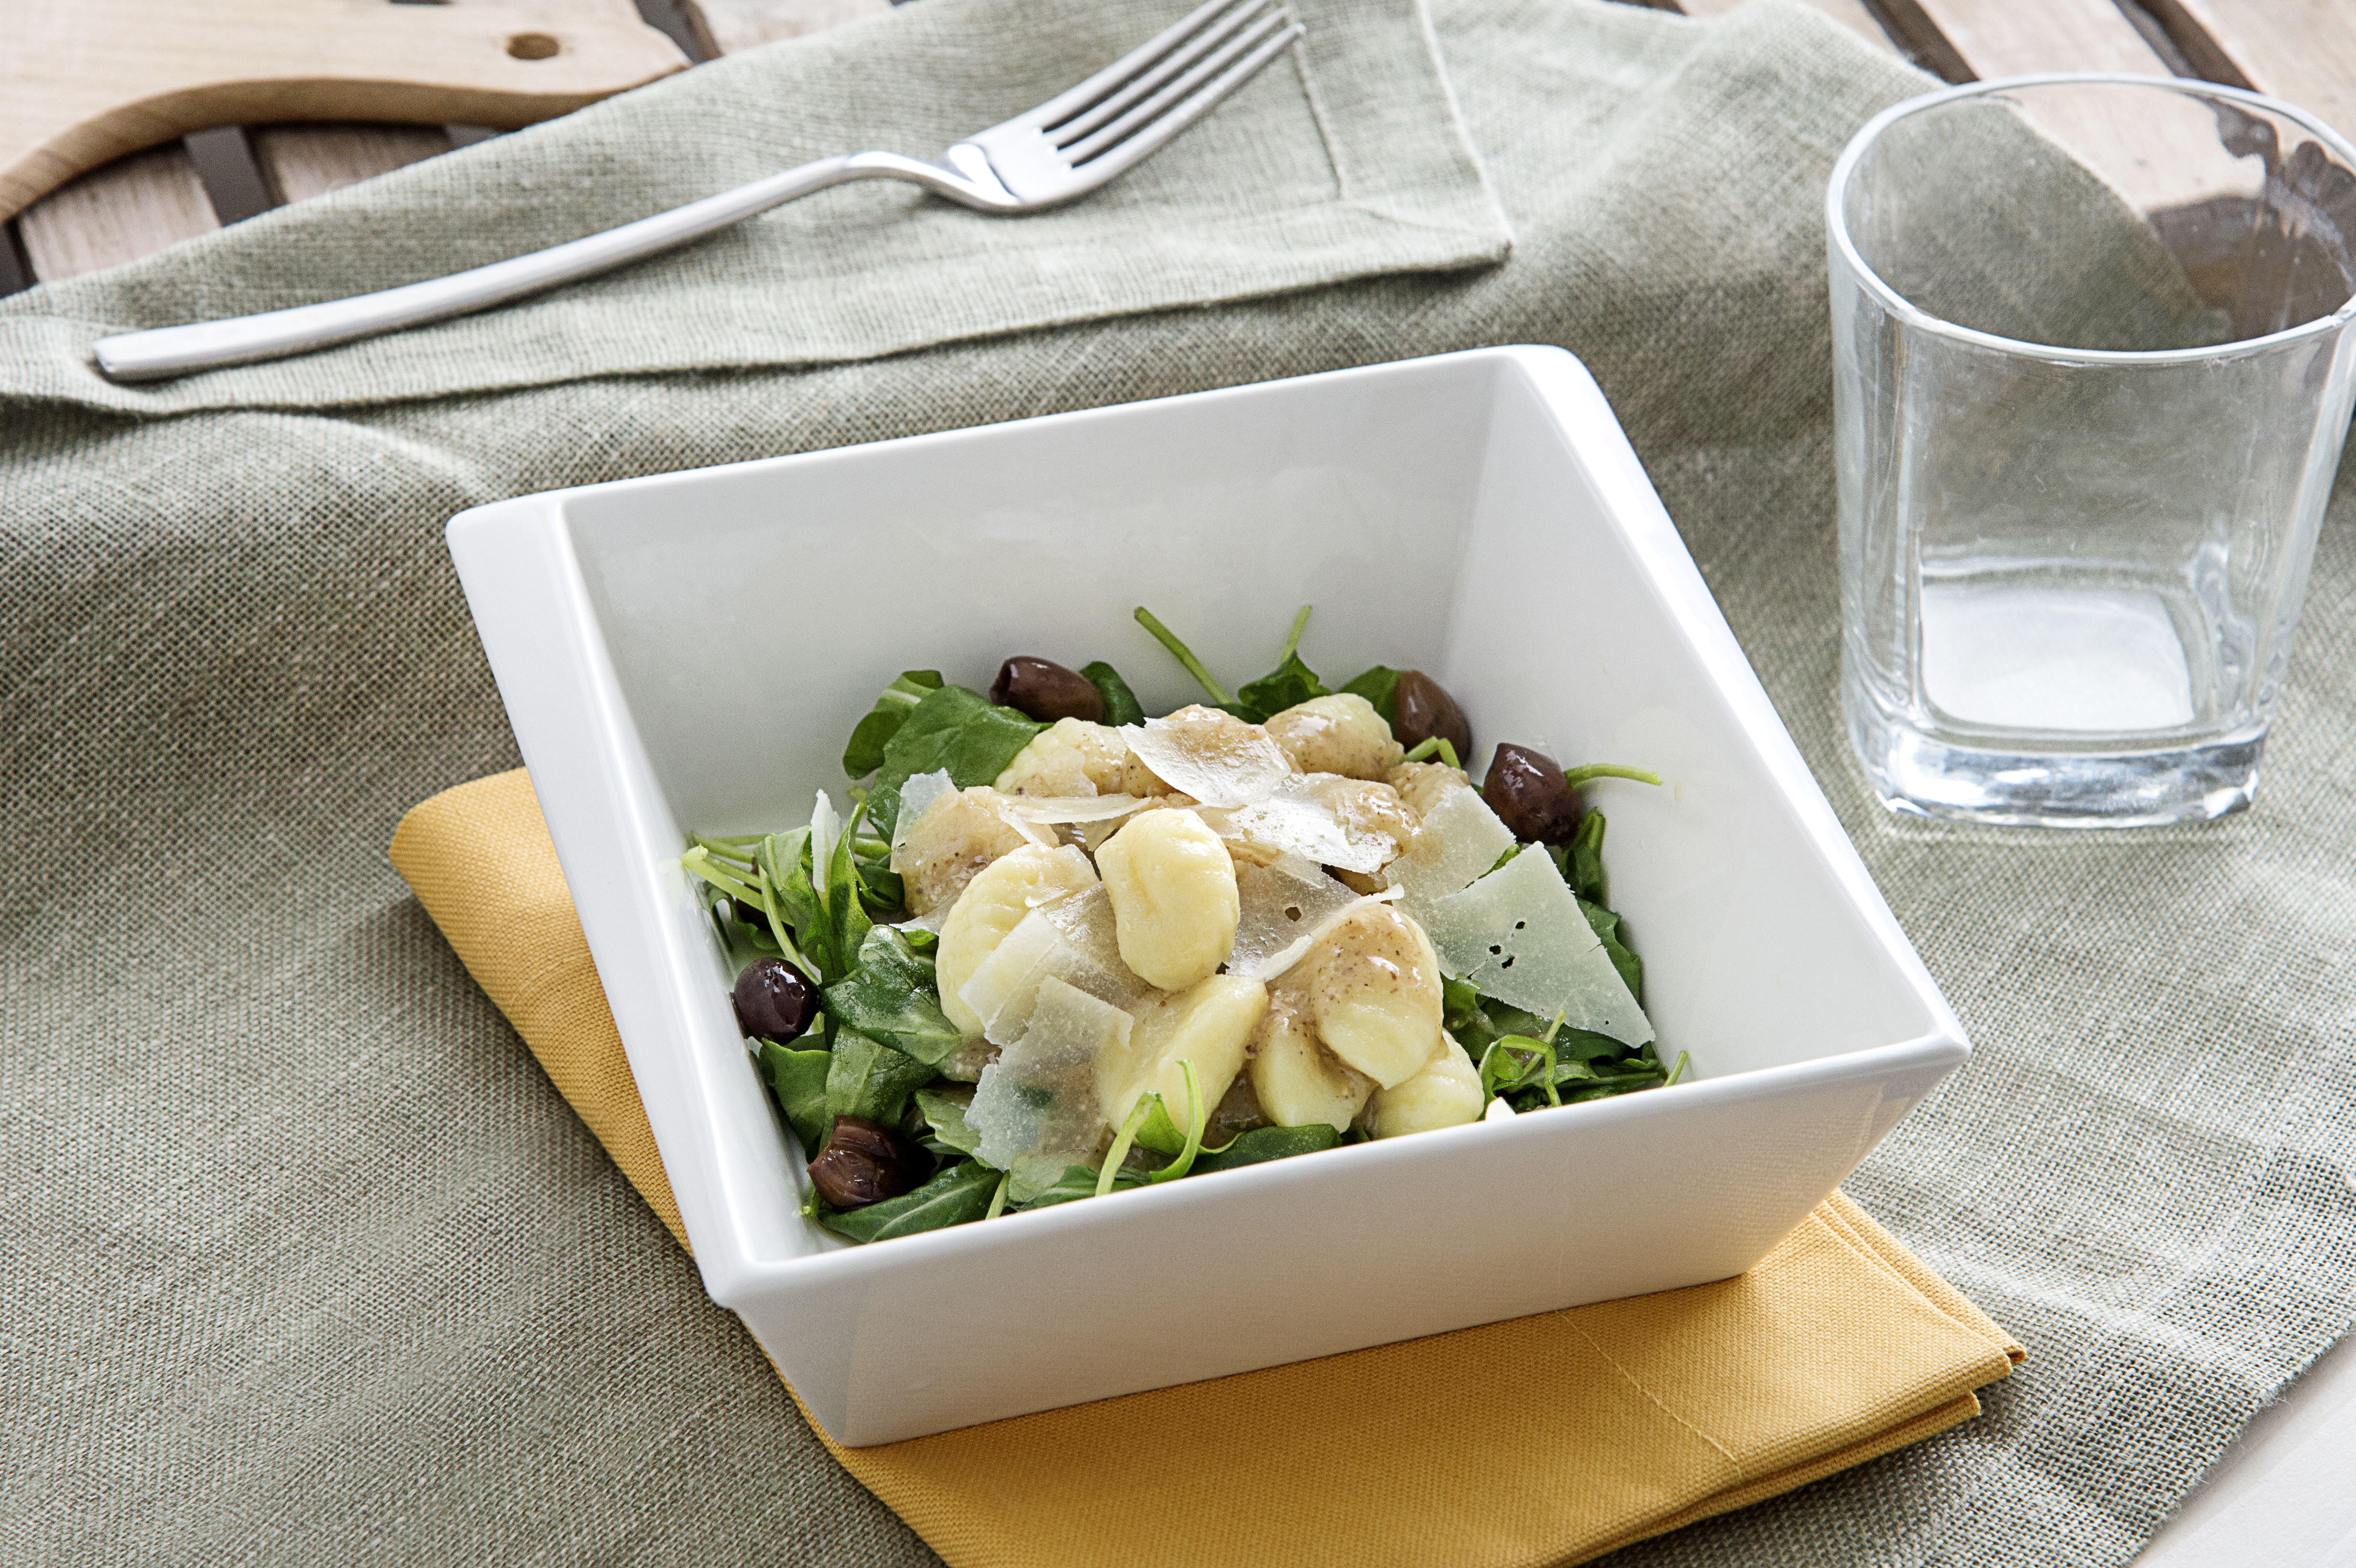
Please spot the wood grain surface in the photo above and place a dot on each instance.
(132, 207)
(86, 81)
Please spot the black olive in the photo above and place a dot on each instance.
(1045, 690)
(1421, 709)
(759, 920)
(1529, 795)
(774, 1000)
(865, 1162)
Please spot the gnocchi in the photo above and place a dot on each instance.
(1337, 735)
(993, 904)
(1296, 1080)
(945, 847)
(1444, 1092)
(1208, 1024)
(1373, 988)
(1072, 758)
(1174, 905)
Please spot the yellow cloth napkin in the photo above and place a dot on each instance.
(1544, 1440)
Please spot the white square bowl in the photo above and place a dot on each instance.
(691, 650)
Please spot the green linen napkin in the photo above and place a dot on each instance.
(304, 1260)
(1345, 159)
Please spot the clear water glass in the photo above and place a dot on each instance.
(2092, 374)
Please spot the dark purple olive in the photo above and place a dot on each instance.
(1529, 795)
(865, 1162)
(1421, 709)
(1046, 691)
(758, 920)
(774, 1000)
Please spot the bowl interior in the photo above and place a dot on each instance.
(1438, 516)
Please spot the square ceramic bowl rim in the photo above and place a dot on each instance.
(625, 788)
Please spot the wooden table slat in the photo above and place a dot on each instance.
(119, 213)
(2005, 37)
(2303, 51)
(299, 162)
(725, 27)
(1849, 14)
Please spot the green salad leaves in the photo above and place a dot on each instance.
(875, 1063)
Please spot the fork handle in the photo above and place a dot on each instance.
(162, 353)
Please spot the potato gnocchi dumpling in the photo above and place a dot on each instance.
(1208, 1024)
(1074, 758)
(995, 904)
(1297, 1081)
(946, 847)
(1173, 897)
(1375, 994)
(1444, 1092)
(1337, 735)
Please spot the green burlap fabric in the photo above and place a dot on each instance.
(305, 1261)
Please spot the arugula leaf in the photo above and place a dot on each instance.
(1582, 860)
(867, 1078)
(891, 998)
(955, 728)
(1378, 686)
(1611, 930)
(1122, 706)
(1159, 1132)
(1287, 685)
(956, 1197)
(1080, 1182)
(793, 902)
(1263, 1144)
(943, 1106)
(797, 1078)
(865, 755)
(844, 907)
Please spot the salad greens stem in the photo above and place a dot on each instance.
(1293, 643)
(998, 1199)
(1111, 1170)
(1197, 1117)
(697, 862)
(1678, 1071)
(1185, 656)
(1440, 745)
(728, 848)
(1577, 776)
(767, 900)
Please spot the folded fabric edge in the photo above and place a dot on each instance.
(1863, 1231)
(441, 847)
(1930, 1424)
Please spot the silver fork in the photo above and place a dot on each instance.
(1066, 147)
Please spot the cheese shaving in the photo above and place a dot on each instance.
(1214, 757)
(1071, 940)
(1278, 905)
(1460, 840)
(1035, 1107)
(1070, 808)
(1291, 820)
(1286, 908)
(915, 796)
(1518, 934)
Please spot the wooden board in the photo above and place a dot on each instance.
(135, 206)
(299, 162)
(85, 82)
(2302, 51)
(1849, 14)
(725, 27)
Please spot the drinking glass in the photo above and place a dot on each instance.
(2091, 375)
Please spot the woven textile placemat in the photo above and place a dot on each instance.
(305, 1260)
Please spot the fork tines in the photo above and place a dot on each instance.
(1164, 84)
